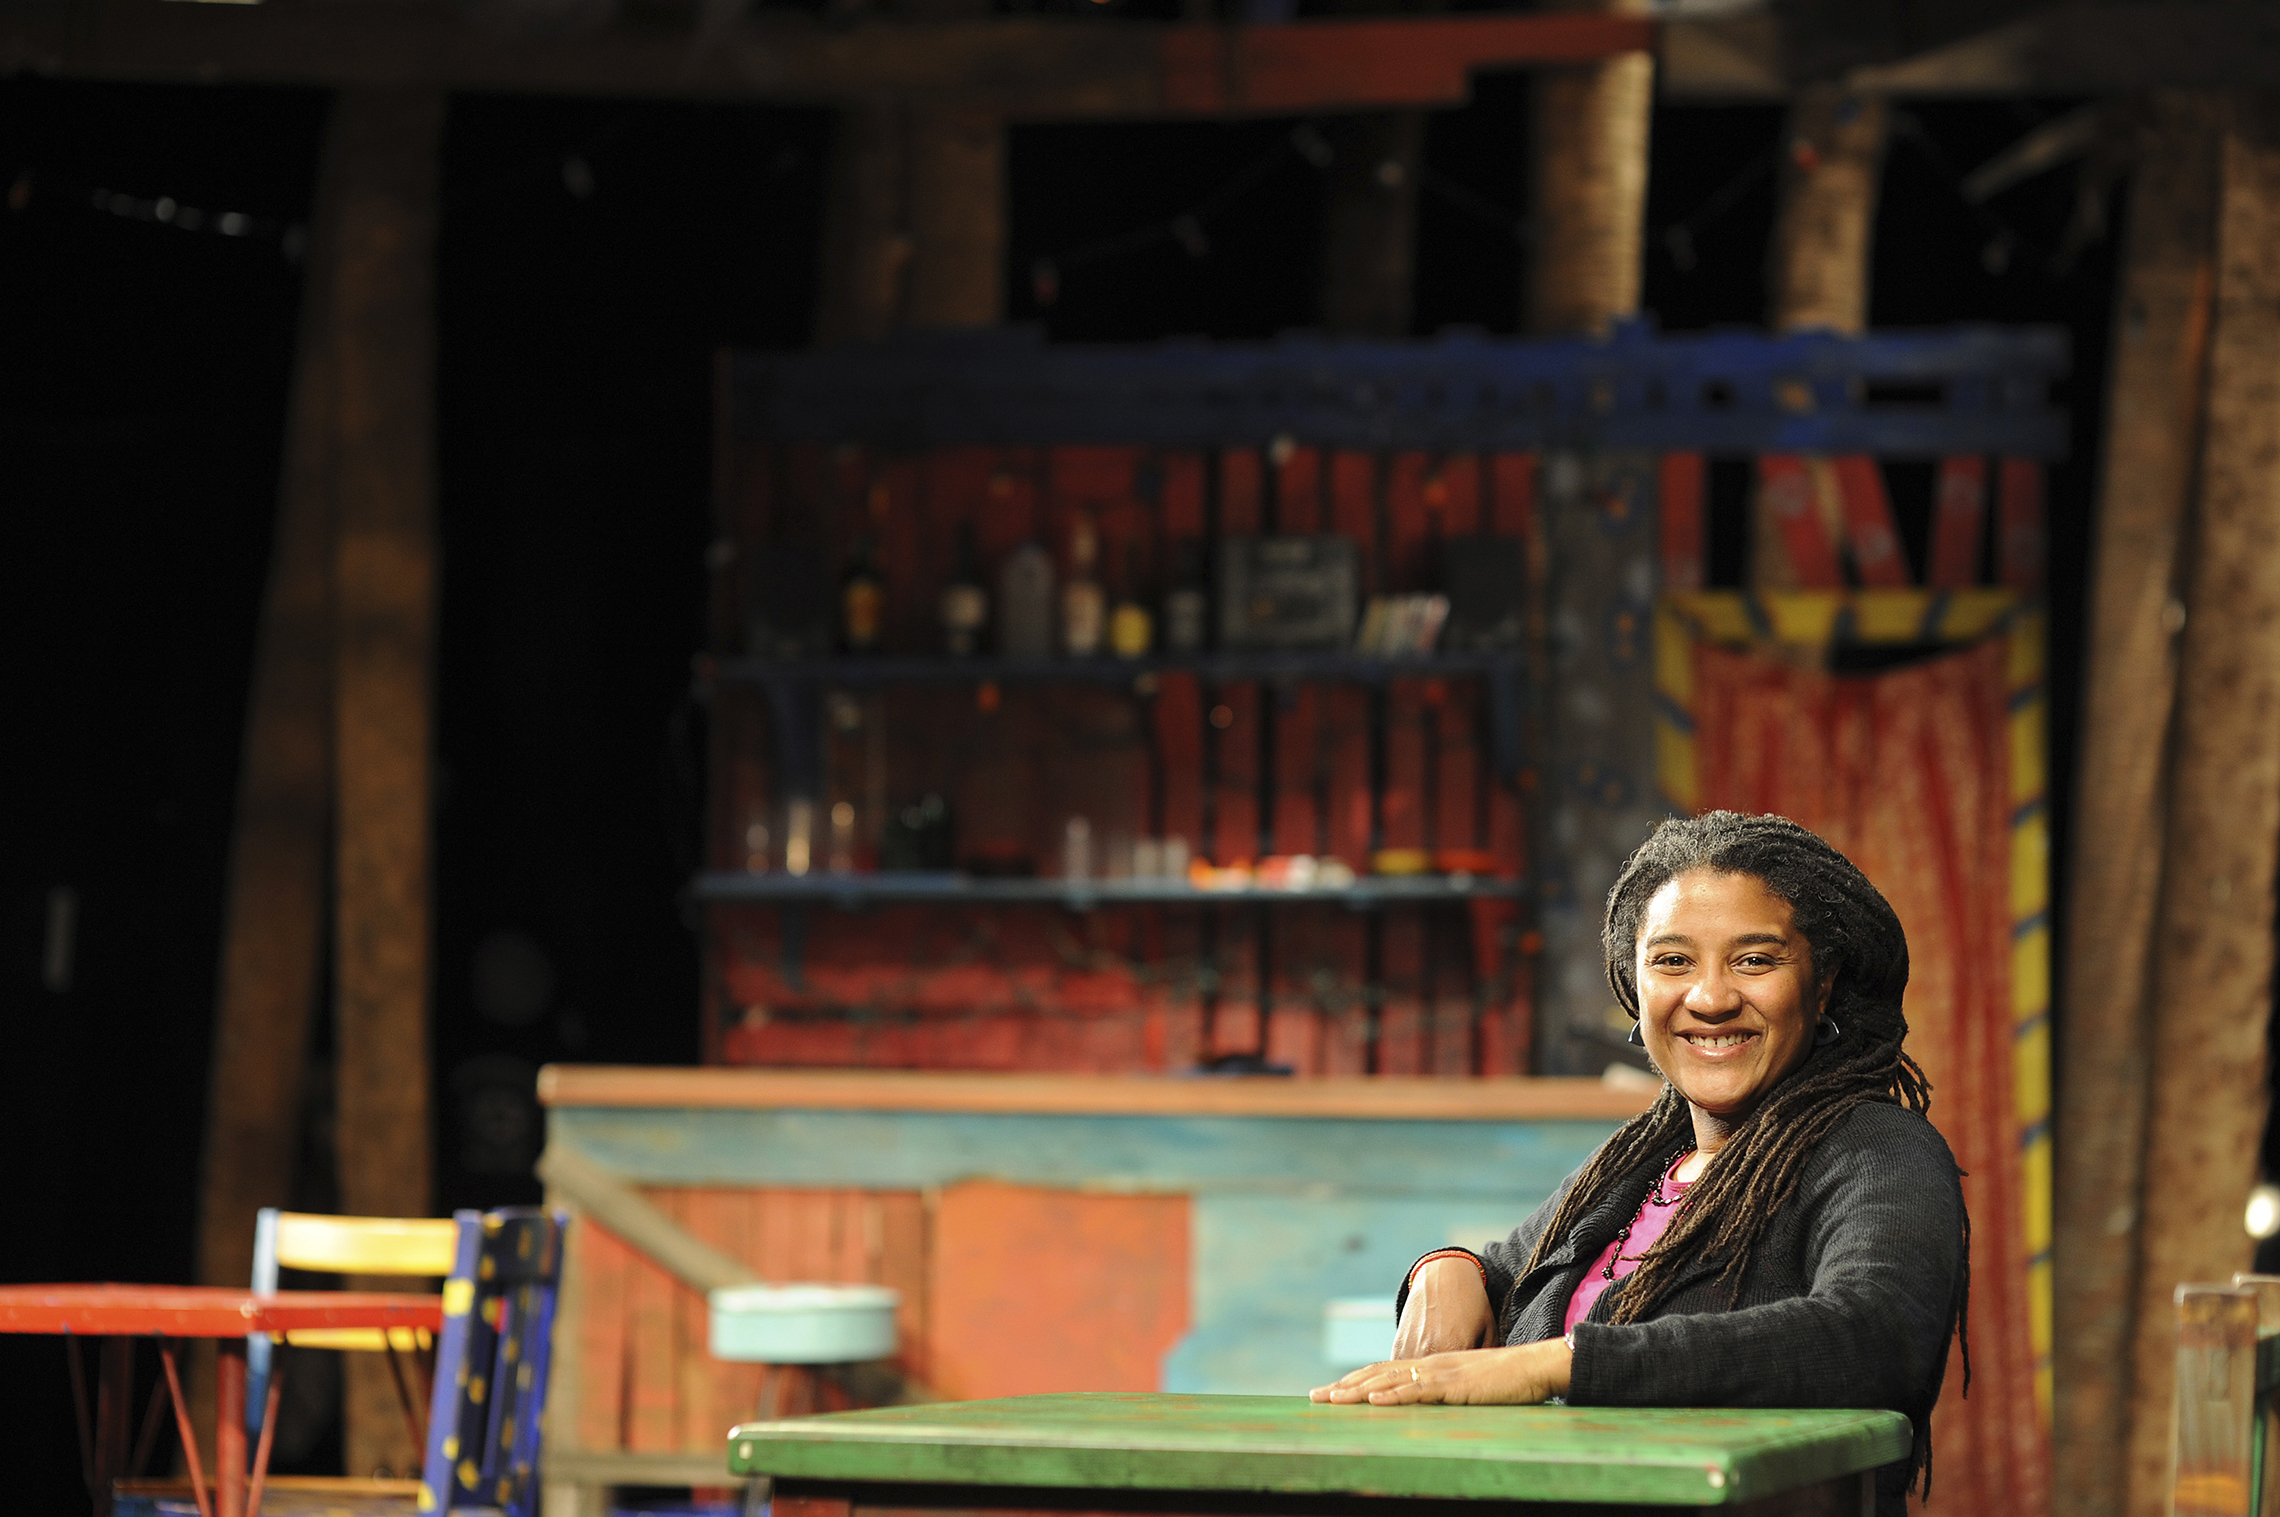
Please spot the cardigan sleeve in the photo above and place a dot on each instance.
(1885, 1253)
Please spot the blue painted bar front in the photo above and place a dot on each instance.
(1287, 1212)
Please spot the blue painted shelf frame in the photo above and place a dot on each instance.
(1895, 394)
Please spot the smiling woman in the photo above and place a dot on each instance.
(1783, 1228)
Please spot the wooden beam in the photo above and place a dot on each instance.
(606, 1199)
(385, 147)
(1589, 181)
(2211, 982)
(2095, 50)
(1023, 67)
(274, 918)
(2154, 389)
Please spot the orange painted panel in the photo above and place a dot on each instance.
(1037, 1290)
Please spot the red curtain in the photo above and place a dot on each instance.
(1908, 773)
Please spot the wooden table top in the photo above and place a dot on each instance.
(203, 1311)
(1286, 1443)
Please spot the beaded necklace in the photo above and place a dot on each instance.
(1655, 1197)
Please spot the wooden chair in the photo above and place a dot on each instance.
(491, 1363)
(488, 1385)
(410, 1246)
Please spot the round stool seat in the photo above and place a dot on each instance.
(803, 1324)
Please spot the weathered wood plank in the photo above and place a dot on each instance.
(2210, 1000)
(384, 570)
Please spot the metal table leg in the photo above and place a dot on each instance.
(229, 1427)
(114, 1395)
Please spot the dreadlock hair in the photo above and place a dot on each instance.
(1854, 937)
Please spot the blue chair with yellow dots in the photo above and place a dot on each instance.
(491, 1364)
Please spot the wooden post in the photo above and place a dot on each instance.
(274, 915)
(1369, 247)
(1588, 198)
(384, 576)
(957, 220)
(1817, 267)
(1590, 189)
(1817, 272)
(2211, 989)
(2154, 395)
(914, 229)
(866, 249)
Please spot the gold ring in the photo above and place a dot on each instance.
(1413, 1380)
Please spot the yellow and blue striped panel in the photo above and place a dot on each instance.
(2030, 975)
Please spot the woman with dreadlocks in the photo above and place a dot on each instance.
(1782, 1228)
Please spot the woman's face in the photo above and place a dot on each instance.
(1728, 998)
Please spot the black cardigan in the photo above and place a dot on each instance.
(1847, 1301)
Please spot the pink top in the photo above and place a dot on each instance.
(1653, 1221)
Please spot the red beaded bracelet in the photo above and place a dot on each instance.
(1447, 1253)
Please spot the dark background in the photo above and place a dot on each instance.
(593, 258)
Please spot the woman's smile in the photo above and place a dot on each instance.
(1718, 1045)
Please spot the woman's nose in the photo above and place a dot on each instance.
(1712, 991)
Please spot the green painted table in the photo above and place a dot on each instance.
(1285, 1455)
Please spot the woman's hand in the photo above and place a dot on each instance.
(1519, 1376)
(1447, 1309)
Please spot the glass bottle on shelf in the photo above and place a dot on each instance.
(1184, 603)
(841, 859)
(799, 835)
(1084, 608)
(862, 602)
(1025, 603)
(1131, 630)
(965, 604)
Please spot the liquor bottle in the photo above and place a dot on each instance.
(1185, 605)
(1025, 603)
(1130, 628)
(965, 604)
(862, 602)
(1084, 608)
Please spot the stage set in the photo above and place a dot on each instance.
(1160, 797)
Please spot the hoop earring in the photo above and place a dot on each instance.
(1635, 1040)
(1828, 1032)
